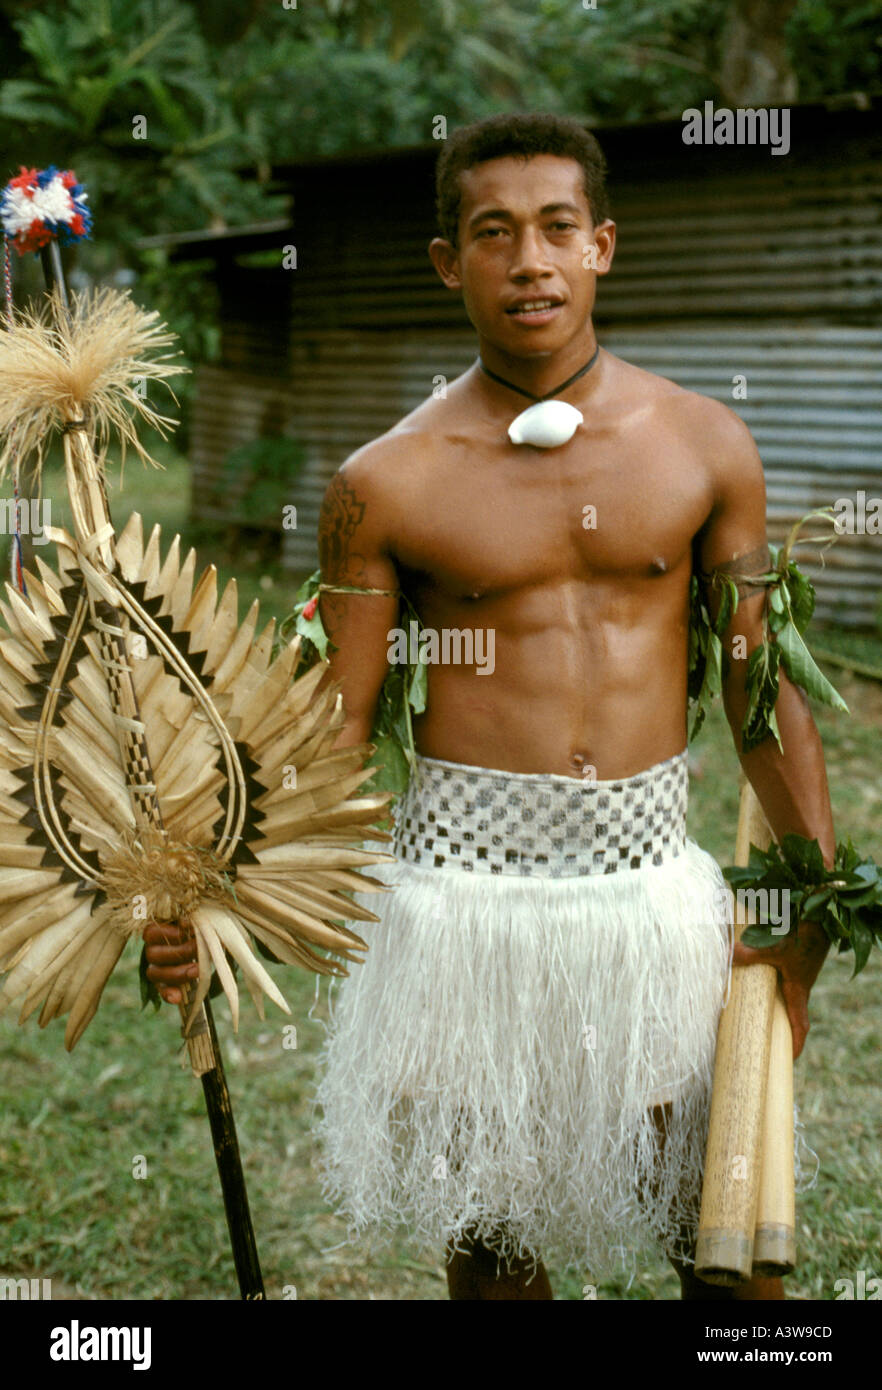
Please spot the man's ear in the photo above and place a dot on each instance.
(445, 259)
(605, 241)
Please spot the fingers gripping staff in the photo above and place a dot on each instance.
(147, 738)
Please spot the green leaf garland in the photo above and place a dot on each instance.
(403, 694)
(789, 605)
(845, 901)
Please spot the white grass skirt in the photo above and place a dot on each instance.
(527, 999)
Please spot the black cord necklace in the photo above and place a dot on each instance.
(563, 386)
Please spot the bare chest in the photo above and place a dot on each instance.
(491, 519)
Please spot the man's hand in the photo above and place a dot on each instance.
(171, 958)
(798, 961)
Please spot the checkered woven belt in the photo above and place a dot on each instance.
(484, 820)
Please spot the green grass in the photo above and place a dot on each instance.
(72, 1126)
(847, 649)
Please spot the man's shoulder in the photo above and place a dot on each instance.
(713, 426)
(386, 462)
(374, 487)
(380, 463)
(669, 395)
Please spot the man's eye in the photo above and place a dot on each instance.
(562, 225)
(490, 231)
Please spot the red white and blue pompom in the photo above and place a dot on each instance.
(43, 205)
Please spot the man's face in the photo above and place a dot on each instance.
(525, 237)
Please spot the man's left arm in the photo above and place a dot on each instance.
(791, 786)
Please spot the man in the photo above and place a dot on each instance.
(523, 1062)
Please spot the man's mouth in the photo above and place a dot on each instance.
(534, 310)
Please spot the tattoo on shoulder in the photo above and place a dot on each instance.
(753, 562)
(341, 515)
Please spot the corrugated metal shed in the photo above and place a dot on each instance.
(730, 262)
(814, 408)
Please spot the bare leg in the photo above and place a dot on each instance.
(481, 1275)
(692, 1288)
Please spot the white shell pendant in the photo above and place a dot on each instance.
(545, 424)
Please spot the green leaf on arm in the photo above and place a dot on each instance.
(760, 719)
(418, 687)
(313, 628)
(862, 941)
(390, 759)
(711, 684)
(801, 669)
(845, 901)
(790, 602)
(728, 604)
(404, 691)
(759, 937)
(815, 900)
(803, 856)
(705, 679)
(802, 597)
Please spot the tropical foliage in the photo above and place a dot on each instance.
(174, 111)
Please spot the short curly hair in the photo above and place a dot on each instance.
(531, 133)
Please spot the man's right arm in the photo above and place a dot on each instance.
(354, 551)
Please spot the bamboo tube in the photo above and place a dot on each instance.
(774, 1245)
(724, 1252)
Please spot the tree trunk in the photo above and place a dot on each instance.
(755, 69)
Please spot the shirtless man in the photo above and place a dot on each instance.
(590, 623)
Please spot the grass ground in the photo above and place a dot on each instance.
(74, 1129)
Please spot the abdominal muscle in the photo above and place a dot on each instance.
(586, 693)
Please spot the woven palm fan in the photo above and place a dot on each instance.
(178, 810)
(156, 764)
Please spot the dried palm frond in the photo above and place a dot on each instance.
(93, 364)
(258, 821)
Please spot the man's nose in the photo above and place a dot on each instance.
(530, 256)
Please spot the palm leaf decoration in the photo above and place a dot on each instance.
(156, 762)
(77, 874)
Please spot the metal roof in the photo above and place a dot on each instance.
(657, 141)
